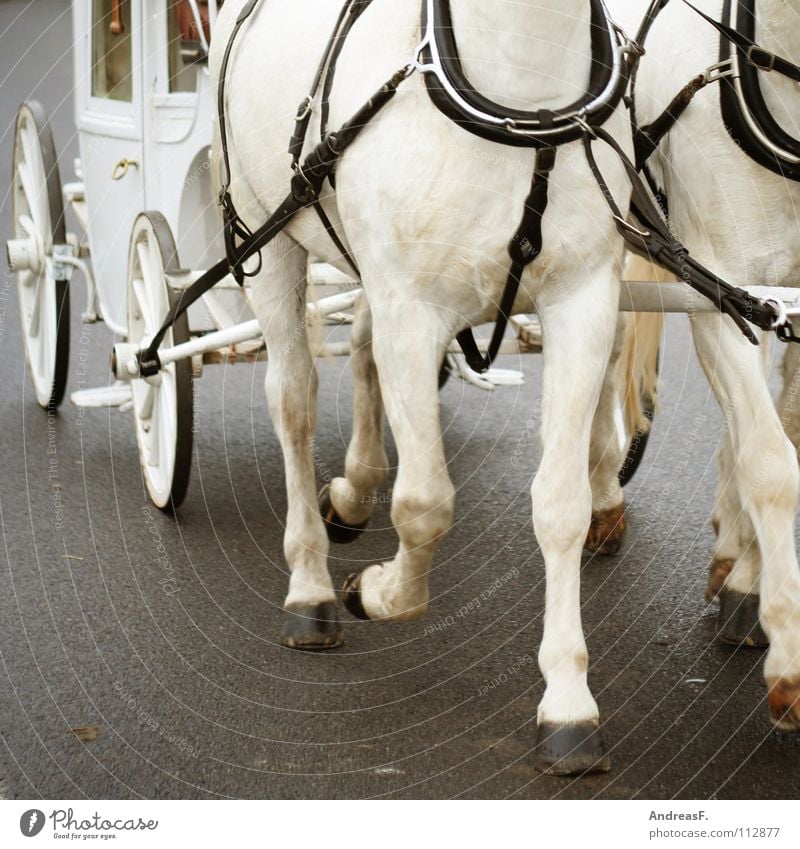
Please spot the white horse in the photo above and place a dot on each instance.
(427, 210)
(741, 220)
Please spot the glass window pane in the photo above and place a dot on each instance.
(112, 54)
(184, 43)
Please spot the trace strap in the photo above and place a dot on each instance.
(523, 249)
(657, 244)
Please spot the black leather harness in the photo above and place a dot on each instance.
(744, 112)
(614, 60)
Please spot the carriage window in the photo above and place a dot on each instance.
(185, 45)
(112, 55)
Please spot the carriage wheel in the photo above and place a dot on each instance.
(38, 212)
(634, 444)
(162, 405)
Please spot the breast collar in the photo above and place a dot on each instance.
(453, 94)
(744, 111)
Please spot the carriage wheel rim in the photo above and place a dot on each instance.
(155, 401)
(39, 300)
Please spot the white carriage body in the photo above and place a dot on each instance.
(162, 129)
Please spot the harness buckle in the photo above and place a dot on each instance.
(782, 316)
(628, 46)
(644, 234)
(580, 120)
(755, 51)
(719, 71)
(304, 110)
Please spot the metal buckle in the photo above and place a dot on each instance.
(645, 234)
(754, 48)
(782, 317)
(719, 71)
(580, 120)
(305, 108)
(628, 45)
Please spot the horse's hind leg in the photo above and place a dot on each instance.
(579, 334)
(409, 341)
(348, 502)
(767, 479)
(279, 299)
(608, 526)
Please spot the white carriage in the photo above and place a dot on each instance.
(144, 113)
(143, 196)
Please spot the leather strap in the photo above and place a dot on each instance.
(654, 241)
(523, 249)
(305, 188)
(756, 55)
(742, 105)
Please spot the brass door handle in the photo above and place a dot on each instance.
(122, 167)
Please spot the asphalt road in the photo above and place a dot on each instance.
(192, 695)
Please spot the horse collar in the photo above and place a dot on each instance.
(744, 111)
(452, 93)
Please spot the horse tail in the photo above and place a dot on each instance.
(637, 367)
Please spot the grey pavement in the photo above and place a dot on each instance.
(191, 693)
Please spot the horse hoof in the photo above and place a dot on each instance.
(312, 627)
(338, 530)
(718, 573)
(738, 620)
(351, 594)
(784, 704)
(607, 531)
(571, 749)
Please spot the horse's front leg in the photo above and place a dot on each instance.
(735, 569)
(579, 334)
(348, 502)
(409, 340)
(279, 299)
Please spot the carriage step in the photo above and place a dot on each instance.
(116, 395)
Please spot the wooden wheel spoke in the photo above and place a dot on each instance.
(153, 435)
(32, 198)
(166, 425)
(145, 306)
(35, 316)
(46, 341)
(148, 403)
(153, 276)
